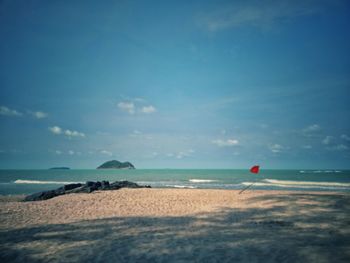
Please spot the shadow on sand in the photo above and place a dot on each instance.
(309, 229)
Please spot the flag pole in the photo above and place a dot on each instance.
(255, 170)
(246, 188)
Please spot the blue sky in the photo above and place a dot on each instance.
(175, 84)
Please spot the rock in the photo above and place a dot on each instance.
(104, 185)
(41, 196)
(121, 184)
(68, 187)
(88, 183)
(88, 187)
(52, 193)
(114, 164)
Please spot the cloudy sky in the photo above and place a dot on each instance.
(175, 84)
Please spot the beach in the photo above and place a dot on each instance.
(178, 225)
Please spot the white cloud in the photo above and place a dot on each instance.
(345, 137)
(225, 143)
(14, 113)
(328, 140)
(264, 126)
(155, 154)
(148, 109)
(139, 100)
(39, 114)
(71, 152)
(105, 152)
(9, 112)
(331, 144)
(127, 106)
(58, 152)
(140, 135)
(180, 154)
(307, 147)
(136, 105)
(260, 14)
(312, 128)
(183, 154)
(338, 147)
(70, 133)
(276, 148)
(58, 130)
(341, 147)
(55, 130)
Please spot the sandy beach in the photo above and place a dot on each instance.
(178, 225)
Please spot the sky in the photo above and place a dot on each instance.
(175, 84)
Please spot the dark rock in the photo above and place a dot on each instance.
(88, 183)
(41, 196)
(122, 184)
(76, 190)
(88, 187)
(68, 187)
(104, 185)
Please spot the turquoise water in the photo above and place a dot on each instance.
(30, 181)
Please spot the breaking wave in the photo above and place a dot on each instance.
(19, 181)
(319, 171)
(202, 181)
(285, 182)
(300, 184)
(181, 186)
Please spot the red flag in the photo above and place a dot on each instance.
(254, 169)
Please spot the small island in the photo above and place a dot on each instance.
(59, 168)
(114, 164)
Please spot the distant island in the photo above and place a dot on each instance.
(59, 168)
(114, 164)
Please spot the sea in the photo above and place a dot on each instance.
(14, 182)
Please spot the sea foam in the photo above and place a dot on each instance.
(181, 186)
(285, 182)
(299, 184)
(202, 181)
(19, 181)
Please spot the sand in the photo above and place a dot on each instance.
(178, 225)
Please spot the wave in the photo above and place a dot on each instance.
(255, 183)
(202, 180)
(181, 186)
(285, 182)
(320, 171)
(19, 181)
(299, 184)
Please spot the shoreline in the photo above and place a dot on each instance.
(20, 197)
(173, 225)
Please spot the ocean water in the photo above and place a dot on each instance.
(31, 181)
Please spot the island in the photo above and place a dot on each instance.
(59, 168)
(114, 164)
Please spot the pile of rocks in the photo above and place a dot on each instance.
(88, 187)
